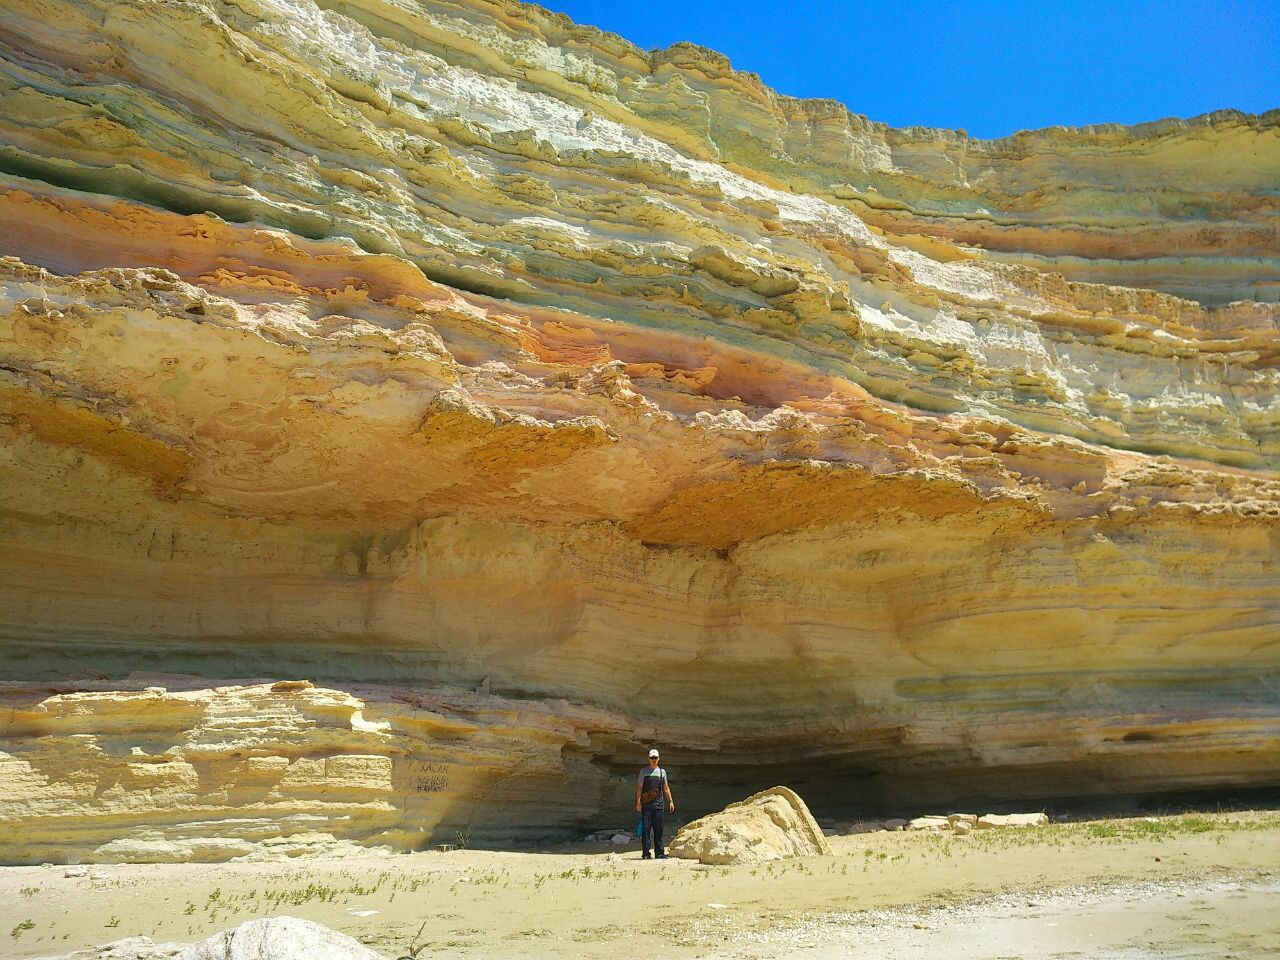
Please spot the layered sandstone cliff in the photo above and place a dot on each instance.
(537, 398)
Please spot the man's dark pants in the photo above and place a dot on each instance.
(652, 838)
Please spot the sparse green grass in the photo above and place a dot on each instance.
(17, 931)
(1060, 835)
(1161, 828)
(343, 887)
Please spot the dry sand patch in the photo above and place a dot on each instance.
(579, 902)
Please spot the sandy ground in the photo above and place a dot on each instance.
(1196, 886)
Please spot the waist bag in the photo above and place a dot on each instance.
(650, 796)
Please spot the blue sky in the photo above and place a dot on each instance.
(989, 66)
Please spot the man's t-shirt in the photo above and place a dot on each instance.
(654, 779)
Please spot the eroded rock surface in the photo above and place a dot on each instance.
(774, 824)
(538, 398)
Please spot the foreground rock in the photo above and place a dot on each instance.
(267, 938)
(772, 825)
(279, 938)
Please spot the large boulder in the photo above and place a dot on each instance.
(279, 938)
(772, 825)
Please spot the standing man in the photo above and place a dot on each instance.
(653, 798)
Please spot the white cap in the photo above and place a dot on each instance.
(653, 753)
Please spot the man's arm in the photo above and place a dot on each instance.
(666, 788)
(637, 796)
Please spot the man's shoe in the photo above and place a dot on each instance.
(662, 856)
(645, 856)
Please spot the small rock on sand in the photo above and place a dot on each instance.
(929, 823)
(992, 820)
(864, 826)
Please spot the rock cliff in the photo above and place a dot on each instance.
(538, 398)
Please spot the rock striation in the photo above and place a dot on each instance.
(774, 824)
(537, 398)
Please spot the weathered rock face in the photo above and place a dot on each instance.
(543, 398)
(774, 824)
(249, 772)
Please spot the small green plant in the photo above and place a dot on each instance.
(29, 891)
(24, 925)
(414, 947)
(191, 908)
(113, 922)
